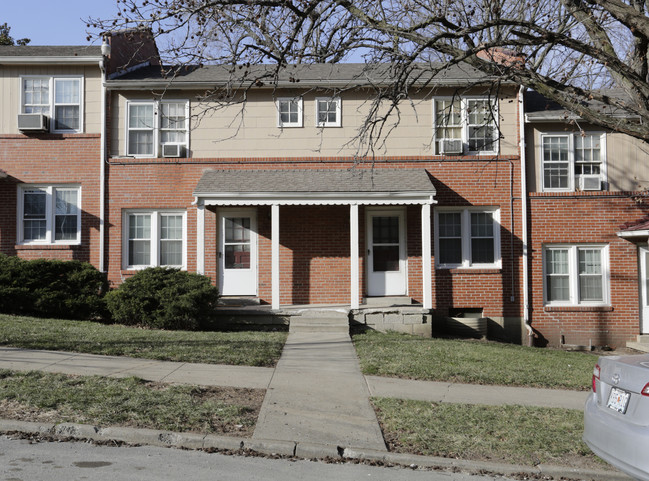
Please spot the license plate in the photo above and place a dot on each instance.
(618, 400)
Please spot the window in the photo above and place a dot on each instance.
(151, 126)
(154, 238)
(573, 162)
(328, 112)
(576, 275)
(467, 237)
(471, 122)
(49, 215)
(57, 97)
(289, 112)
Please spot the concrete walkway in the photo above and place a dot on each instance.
(318, 395)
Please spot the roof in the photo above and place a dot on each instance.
(300, 75)
(316, 186)
(539, 108)
(51, 54)
(636, 228)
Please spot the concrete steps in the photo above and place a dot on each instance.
(320, 320)
(641, 344)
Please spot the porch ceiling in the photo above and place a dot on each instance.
(365, 186)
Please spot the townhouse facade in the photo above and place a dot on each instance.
(276, 186)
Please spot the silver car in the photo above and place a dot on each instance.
(616, 415)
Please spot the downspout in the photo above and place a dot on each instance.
(522, 147)
(105, 50)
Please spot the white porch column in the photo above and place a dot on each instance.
(353, 255)
(200, 238)
(427, 282)
(274, 221)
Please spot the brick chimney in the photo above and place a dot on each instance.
(502, 56)
(129, 49)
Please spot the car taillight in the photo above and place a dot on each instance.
(596, 377)
(645, 390)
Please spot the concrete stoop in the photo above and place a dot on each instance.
(641, 344)
(320, 320)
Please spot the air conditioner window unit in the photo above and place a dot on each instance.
(33, 122)
(590, 182)
(173, 150)
(450, 146)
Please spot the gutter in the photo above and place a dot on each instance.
(522, 147)
(102, 168)
(50, 60)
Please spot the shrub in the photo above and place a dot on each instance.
(164, 298)
(51, 288)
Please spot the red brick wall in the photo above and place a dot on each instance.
(586, 218)
(314, 252)
(51, 159)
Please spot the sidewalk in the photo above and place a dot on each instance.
(260, 378)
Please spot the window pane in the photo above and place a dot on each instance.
(35, 201)
(450, 224)
(450, 237)
(450, 251)
(139, 226)
(385, 230)
(386, 258)
(139, 252)
(140, 143)
(171, 227)
(140, 116)
(34, 230)
(66, 91)
(557, 271)
(590, 275)
(237, 229)
(171, 253)
(558, 288)
(66, 219)
(67, 117)
(237, 256)
(482, 251)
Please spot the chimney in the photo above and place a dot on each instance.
(129, 49)
(502, 56)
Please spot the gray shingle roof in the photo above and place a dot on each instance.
(541, 109)
(306, 75)
(50, 51)
(377, 180)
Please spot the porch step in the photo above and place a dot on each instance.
(320, 320)
(641, 344)
(387, 301)
(236, 301)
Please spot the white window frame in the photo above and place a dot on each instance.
(52, 99)
(464, 123)
(50, 213)
(157, 125)
(300, 112)
(338, 104)
(573, 275)
(465, 213)
(572, 176)
(155, 238)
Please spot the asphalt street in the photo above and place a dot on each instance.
(22, 460)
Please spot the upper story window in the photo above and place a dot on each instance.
(154, 238)
(157, 128)
(573, 162)
(467, 237)
(289, 112)
(60, 98)
(575, 274)
(328, 111)
(49, 214)
(466, 125)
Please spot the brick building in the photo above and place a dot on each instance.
(111, 159)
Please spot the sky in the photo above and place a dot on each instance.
(53, 22)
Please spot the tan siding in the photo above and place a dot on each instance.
(250, 129)
(11, 93)
(627, 159)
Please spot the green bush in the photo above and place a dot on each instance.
(164, 298)
(51, 288)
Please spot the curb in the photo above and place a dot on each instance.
(152, 437)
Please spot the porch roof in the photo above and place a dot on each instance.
(370, 186)
(636, 230)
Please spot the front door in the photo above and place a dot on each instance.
(238, 253)
(386, 253)
(643, 253)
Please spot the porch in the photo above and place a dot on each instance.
(366, 251)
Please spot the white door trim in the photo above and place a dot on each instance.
(393, 283)
(643, 255)
(236, 282)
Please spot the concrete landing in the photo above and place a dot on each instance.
(318, 395)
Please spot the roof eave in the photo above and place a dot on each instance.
(633, 234)
(51, 60)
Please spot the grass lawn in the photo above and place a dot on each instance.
(44, 397)
(512, 434)
(472, 361)
(249, 348)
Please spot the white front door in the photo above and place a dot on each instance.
(643, 253)
(386, 253)
(238, 252)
